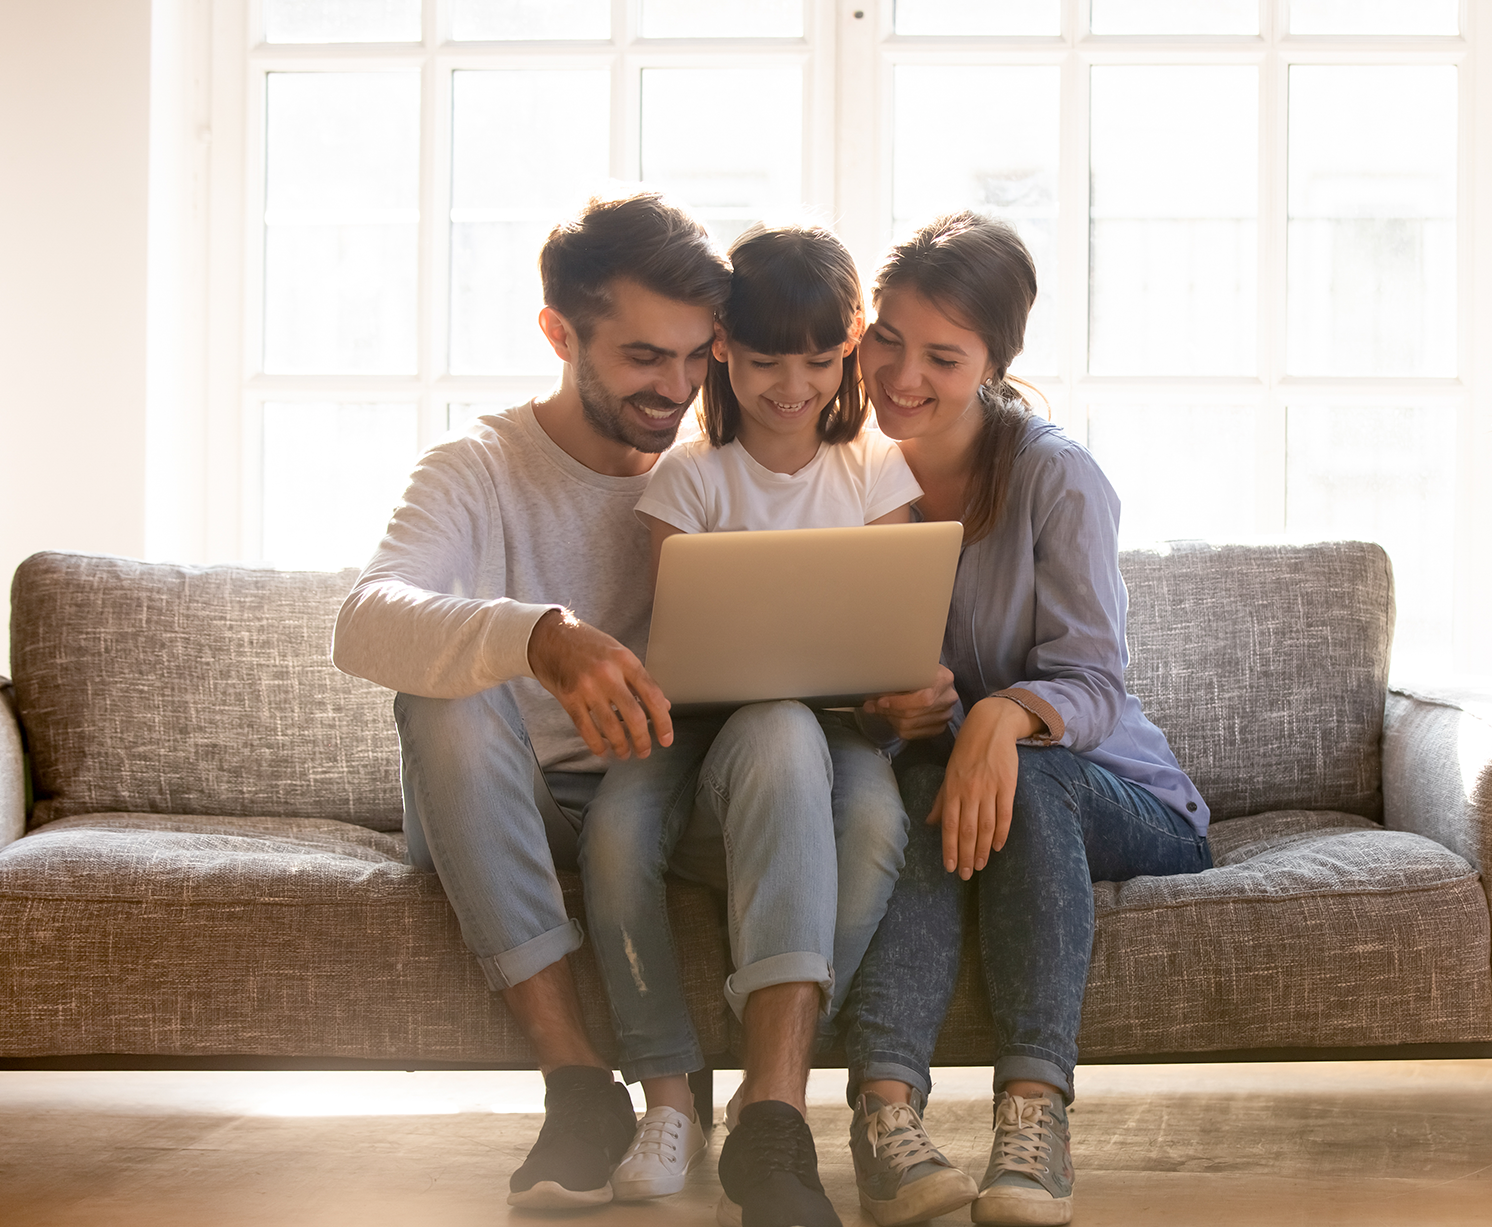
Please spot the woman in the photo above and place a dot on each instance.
(1052, 778)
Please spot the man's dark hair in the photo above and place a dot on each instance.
(642, 238)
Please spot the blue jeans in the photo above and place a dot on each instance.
(477, 814)
(1075, 823)
(795, 816)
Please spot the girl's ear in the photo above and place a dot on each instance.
(857, 330)
(719, 346)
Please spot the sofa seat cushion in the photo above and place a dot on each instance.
(137, 933)
(1314, 929)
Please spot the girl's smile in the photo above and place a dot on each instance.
(781, 397)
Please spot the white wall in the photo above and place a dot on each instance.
(74, 157)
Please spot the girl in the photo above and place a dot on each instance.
(783, 412)
(1053, 780)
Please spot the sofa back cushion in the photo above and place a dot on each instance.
(156, 688)
(1267, 667)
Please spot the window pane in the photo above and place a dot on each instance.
(1175, 16)
(341, 223)
(978, 17)
(510, 182)
(1174, 195)
(731, 165)
(1373, 17)
(530, 19)
(1372, 227)
(1000, 160)
(1385, 475)
(342, 21)
(1181, 471)
(332, 475)
(722, 18)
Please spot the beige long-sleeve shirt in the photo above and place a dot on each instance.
(497, 527)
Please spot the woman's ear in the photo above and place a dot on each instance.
(720, 345)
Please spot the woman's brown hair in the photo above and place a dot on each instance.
(793, 290)
(977, 272)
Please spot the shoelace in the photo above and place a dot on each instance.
(899, 1129)
(1023, 1135)
(657, 1135)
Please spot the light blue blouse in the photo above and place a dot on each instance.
(1038, 616)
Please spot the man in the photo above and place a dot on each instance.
(507, 605)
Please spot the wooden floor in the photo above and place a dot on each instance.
(1210, 1146)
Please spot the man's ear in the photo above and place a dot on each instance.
(559, 333)
(719, 346)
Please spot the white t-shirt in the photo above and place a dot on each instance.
(704, 489)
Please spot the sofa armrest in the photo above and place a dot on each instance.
(12, 768)
(1437, 770)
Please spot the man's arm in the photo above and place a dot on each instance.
(601, 685)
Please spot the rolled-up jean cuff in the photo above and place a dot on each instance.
(884, 1067)
(1019, 1067)
(795, 967)
(663, 1067)
(518, 964)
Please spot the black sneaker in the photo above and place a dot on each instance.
(588, 1125)
(770, 1173)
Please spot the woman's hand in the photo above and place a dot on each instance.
(978, 793)
(917, 714)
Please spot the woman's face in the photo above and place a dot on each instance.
(922, 370)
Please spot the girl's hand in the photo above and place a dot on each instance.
(978, 793)
(916, 714)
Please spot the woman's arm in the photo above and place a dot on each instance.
(978, 793)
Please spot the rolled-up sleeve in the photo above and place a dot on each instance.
(1075, 669)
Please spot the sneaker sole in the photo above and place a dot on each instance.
(926, 1198)
(551, 1195)
(657, 1186)
(1019, 1208)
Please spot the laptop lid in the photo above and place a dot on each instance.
(829, 616)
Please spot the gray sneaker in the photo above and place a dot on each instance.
(1029, 1178)
(902, 1176)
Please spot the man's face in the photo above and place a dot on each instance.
(642, 366)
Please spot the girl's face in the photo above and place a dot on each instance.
(921, 369)
(782, 393)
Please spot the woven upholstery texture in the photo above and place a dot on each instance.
(1267, 668)
(1437, 771)
(168, 689)
(141, 934)
(1314, 930)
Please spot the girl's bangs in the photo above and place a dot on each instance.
(784, 318)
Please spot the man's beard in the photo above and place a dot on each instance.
(606, 412)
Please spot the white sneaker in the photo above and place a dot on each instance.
(665, 1147)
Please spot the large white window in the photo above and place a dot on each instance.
(1252, 220)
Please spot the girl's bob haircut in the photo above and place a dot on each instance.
(794, 290)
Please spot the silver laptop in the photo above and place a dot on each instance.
(829, 616)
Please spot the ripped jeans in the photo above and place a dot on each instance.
(794, 815)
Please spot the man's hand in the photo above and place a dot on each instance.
(977, 798)
(917, 714)
(601, 685)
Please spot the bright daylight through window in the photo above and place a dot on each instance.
(1246, 216)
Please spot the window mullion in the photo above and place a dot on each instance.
(1270, 467)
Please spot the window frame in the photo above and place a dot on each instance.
(847, 166)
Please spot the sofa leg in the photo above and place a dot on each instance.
(702, 1083)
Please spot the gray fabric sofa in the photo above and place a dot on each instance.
(212, 870)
